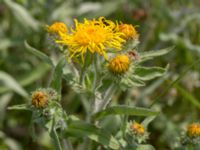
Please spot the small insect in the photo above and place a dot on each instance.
(134, 54)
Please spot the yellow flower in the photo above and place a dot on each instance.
(39, 99)
(193, 130)
(119, 64)
(57, 28)
(94, 36)
(128, 30)
(138, 128)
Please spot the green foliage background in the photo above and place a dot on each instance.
(161, 23)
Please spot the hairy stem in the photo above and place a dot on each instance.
(56, 140)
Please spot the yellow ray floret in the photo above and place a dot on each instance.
(94, 36)
(138, 128)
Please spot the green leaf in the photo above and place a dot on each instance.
(56, 82)
(132, 81)
(35, 74)
(105, 8)
(174, 82)
(4, 101)
(81, 129)
(30, 77)
(12, 84)
(54, 136)
(148, 120)
(148, 73)
(145, 147)
(22, 15)
(144, 56)
(39, 54)
(188, 96)
(10, 143)
(19, 107)
(126, 110)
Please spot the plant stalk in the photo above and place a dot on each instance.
(56, 140)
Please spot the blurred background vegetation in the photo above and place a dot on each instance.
(161, 23)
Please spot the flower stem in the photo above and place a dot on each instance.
(107, 97)
(56, 140)
(189, 147)
(95, 65)
(82, 75)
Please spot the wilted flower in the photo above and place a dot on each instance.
(40, 99)
(119, 64)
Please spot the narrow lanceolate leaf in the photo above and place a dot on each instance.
(22, 15)
(188, 96)
(145, 147)
(126, 110)
(155, 53)
(82, 130)
(132, 82)
(38, 53)
(35, 74)
(19, 107)
(12, 84)
(32, 76)
(56, 82)
(148, 120)
(148, 73)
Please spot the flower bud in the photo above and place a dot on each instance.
(193, 130)
(137, 128)
(40, 99)
(128, 30)
(57, 27)
(119, 64)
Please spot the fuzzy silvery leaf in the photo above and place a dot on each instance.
(56, 82)
(144, 56)
(39, 54)
(19, 107)
(148, 73)
(81, 129)
(22, 15)
(126, 110)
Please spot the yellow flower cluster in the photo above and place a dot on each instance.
(40, 99)
(193, 130)
(119, 64)
(94, 36)
(138, 128)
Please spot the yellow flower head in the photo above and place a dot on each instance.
(138, 128)
(128, 30)
(119, 64)
(57, 28)
(193, 130)
(94, 36)
(39, 99)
